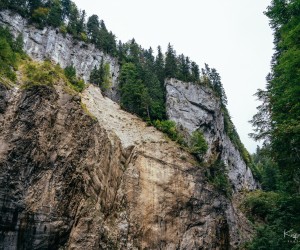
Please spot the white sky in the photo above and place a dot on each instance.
(232, 36)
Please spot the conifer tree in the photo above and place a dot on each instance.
(93, 28)
(97, 75)
(171, 68)
(55, 17)
(160, 66)
(195, 72)
(66, 8)
(73, 20)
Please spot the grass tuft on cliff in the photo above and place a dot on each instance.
(46, 73)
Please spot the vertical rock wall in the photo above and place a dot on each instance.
(69, 180)
(194, 107)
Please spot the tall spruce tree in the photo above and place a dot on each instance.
(160, 66)
(171, 67)
(93, 28)
(55, 17)
(195, 72)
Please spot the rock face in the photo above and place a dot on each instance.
(101, 181)
(49, 43)
(194, 107)
(77, 172)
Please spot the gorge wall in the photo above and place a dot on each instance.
(106, 180)
(78, 172)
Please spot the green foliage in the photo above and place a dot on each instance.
(183, 72)
(40, 15)
(45, 73)
(107, 79)
(260, 204)
(217, 175)
(198, 144)
(169, 127)
(171, 67)
(63, 29)
(40, 74)
(131, 89)
(215, 82)
(159, 67)
(15, 5)
(76, 83)
(7, 60)
(10, 52)
(275, 214)
(278, 118)
(266, 170)
(70, 72)
(234, 137)
(141, 90)
(55, 17)
(102, 76)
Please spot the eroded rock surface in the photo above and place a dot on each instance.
(194, 107)
(59, 171)
(72, 181)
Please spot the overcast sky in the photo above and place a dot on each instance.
(232, 36)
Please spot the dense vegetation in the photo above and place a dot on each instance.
(10, 52)
(276, 209)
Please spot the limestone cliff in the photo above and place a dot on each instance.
(77, 172)
(49, 43)
(106, 180)
(193, 107)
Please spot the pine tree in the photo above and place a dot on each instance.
(195, 72)
(160, 66)
(215, 82)
(184, 71)
(32, 5)
(93, 28)
(73, 20)
(121, 52)
(66, 9)
(132, 89)
(55, 17)
(97, 75)
(171, 67)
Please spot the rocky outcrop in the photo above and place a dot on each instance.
(101, 179)
(193, 107)
(49, 43)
